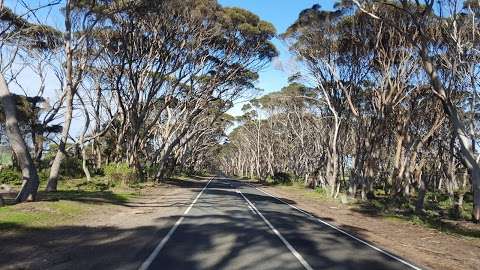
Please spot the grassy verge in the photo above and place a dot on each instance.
(437, 214)
(40, 214)
(74, 199)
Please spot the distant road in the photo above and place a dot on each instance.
(232, 225)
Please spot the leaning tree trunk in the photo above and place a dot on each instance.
(459, 129)
(59, 157)
(82, 141)
(55, 169)
(29, 172)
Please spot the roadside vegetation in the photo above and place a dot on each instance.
(439, 212)
(74, 199)
(119, 94)
(380, 113)
(383, 110)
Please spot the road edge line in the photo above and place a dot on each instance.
(278, 234)
(146, 264)
(384, 252)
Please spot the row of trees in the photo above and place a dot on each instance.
(149, 81)
(387, 98)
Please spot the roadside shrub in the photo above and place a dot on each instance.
(282, 178)
(10, 176)
(94, 186)
(5, 158)
(151, 170)
(71, 167)
(119, 172)
(43, 176)
(322, 191)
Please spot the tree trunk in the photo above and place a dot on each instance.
(459, 128)
(422, 189)
(55, 169)
(82, 142)
(29, 172)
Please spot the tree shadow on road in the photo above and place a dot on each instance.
(217, 234)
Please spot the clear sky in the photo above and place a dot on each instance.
(281, 13)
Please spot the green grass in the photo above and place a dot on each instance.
(5, 159)
(40, 214)
(317, 194)
(73, 199)
(182, 177)
(434, 222)
(438, 212)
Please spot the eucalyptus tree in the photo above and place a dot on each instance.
(443, 35)
(81, 18)
(170, 61)
(318, 39)
(373, 116)
(199, 148)
(17, 32)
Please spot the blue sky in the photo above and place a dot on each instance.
(281, 13)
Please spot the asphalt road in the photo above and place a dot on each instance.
(232, 225)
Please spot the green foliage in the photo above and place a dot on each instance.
(151, 170)
(71, 167)
(43, 176)
(282, 178)
(322, 191)
(120, 172)
(95, 185)
(5, 159)
(10, 176)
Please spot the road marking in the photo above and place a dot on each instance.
(277, 233)
(251, 209)
(146, 264)
(340, 230)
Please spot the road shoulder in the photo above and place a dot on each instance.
(105, 236)
(428, 248)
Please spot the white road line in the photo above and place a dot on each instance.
(251, 209)
(342, 231)
(277, 233)
(146, 264)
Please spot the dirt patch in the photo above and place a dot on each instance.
(425, 247)
(107, 236)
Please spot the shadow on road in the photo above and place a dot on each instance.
(218, 234)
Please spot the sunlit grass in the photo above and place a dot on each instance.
(74, 199)
(40, 214)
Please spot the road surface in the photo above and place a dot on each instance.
(233, 225)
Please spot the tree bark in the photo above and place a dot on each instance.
(82, 142)
(29, 172)
(459, 129)
(55, 169)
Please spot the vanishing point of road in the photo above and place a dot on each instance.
(233, 225)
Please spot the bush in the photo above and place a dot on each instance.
(71, 167)
(10, 176)
(119, 172)
(322, 191)
(94, 185)
(151, 170)
(43, 176)
(282, 178)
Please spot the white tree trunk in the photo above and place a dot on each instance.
(459, 128)
(29, 172)
(55, 169)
